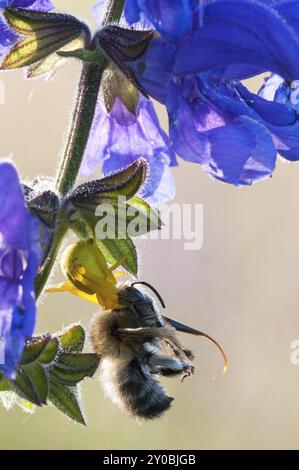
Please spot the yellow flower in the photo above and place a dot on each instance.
(89, 276)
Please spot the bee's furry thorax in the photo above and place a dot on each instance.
(128, 341)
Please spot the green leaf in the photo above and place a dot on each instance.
(117, 250)
(46, 34)
(66, 401)
(73, 339)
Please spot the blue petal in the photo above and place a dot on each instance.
(240, 32)
(155, 68)
(7, 36)
(38, 5)
(13, 212)
(289, 9)
(218, 130)
(42, 5)
(285, 96)
(241, 152)
(98, 11)
(132, 11)
(119, 138)
(171, 19)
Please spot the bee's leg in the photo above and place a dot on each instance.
(177, 349)
(168, 366)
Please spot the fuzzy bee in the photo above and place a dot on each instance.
(129, 342)
(135, 343)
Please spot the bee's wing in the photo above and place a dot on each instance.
(145, 334)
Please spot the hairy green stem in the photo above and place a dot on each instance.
(114, 11)
(84, 111)
(82, 121)
(80, 129)
(49, 263)
(83, 116)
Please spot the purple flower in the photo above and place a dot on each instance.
(195, 68)
(20, 255)
(286, 98)
(119, 137)
(171, 19)
(205, 110)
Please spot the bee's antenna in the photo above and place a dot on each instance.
(192, 331)
(153, 289)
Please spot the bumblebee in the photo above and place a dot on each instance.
(135, 343)
(130, 342)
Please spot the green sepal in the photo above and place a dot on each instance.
(123, 46)
(116, 85)
(147, 216)
(50, 352)
(34, 348)
(66, 401)
(23, 387)
(73, 339)
(118, 191)
(85, 55)
(71, 369)
(5, 385)
(38, 380)
(45, 206)
(50, 369)
(46, 33)
(78, 362)
(69, 378)
(131, 43)
(125, 183)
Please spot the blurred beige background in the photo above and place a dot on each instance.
(241, 287)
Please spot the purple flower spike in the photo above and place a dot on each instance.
(20, 255)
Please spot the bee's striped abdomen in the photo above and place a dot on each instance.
(143, 395)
